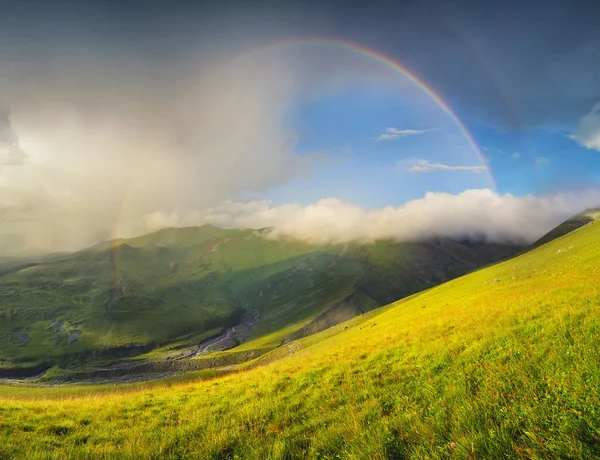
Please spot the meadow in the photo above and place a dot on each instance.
(501, 363)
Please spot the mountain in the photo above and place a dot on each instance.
(165, 293)
(501, 363)
(15, 263)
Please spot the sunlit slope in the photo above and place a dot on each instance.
(501, 363)
(175, 287)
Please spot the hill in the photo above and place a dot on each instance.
(160, 295)
(570, 225)
(501, 363)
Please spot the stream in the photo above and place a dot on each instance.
(230, 337)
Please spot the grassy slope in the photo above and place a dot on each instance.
(503, 362)
(174, 287)
(569, 225)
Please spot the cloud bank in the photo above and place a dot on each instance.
(479, 214)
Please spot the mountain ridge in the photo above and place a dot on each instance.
(570, 225)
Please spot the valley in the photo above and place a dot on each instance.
(501, 362)
(204, 295)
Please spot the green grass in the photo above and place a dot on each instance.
(503, 362)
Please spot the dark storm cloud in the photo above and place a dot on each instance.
(511, 63)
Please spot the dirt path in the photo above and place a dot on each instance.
(216, 246)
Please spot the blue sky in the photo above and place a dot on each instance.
(549, 160)
(374, 173)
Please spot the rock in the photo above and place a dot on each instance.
(74, 336)
(21, 338)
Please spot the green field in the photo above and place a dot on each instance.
(501, 363)
(168, 290)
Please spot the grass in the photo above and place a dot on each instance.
(501, 363)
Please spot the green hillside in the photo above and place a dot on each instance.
(160, 295)
(501, 363)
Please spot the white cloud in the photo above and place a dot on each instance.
(107, 144)
(417, 165)
(479, 214)
(394, 133)
(587, 133)
(516, 155)
(542, 160)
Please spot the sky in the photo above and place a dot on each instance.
(323, 120)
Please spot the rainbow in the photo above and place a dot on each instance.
(365, 51)
(395, 66)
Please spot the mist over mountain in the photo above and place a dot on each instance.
(476, 214)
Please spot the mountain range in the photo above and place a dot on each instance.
(191, 292)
